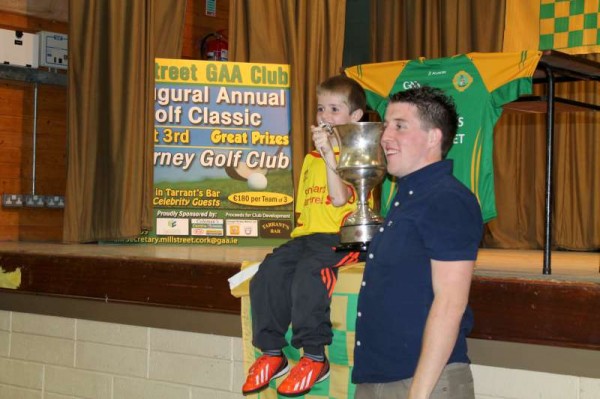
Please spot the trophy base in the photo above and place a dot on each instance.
(357, 238)
(352, 247)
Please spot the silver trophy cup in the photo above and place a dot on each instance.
(361, 164)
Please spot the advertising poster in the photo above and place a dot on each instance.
(222, 154)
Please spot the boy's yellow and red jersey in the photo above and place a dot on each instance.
(317, 213)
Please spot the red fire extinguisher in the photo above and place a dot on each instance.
(213, 47)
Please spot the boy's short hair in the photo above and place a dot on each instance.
(345, 86)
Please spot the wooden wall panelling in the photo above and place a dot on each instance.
(28, 23)
(191, 284)
(16, 116)
(51, 162)
(545, 312)
(16, 166)
(16, 142)
(528, 310)
(197, 25)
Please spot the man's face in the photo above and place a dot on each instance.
(406, 145)
(333, 109)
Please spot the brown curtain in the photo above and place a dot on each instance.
(112, 46)
(308, 35)
(520, 173)
(441, 28)
(403, 30)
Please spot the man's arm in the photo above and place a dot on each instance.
(451, 284)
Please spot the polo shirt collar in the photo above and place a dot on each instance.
(423, 177)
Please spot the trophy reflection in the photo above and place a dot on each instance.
(361, 164)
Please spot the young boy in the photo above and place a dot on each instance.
(294, 283)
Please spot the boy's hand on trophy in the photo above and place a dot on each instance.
(320, 136)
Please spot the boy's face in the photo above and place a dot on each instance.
(333, 109)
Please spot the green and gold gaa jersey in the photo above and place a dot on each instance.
(480, 84)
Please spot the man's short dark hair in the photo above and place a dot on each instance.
(435, 109)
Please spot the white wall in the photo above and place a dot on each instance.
(61, 358)
(502, 383)
(48, 357)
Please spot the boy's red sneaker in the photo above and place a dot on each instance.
(264, 369)
(303, 377)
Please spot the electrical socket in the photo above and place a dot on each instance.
(34, 201)
(12, 200)
(55, 201)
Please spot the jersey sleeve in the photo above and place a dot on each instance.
(377, 80)
(499, 69)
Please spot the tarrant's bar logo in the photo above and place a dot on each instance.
(275, 229)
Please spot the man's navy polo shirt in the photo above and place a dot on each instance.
(433, 216)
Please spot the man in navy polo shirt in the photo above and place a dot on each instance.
(413, 316)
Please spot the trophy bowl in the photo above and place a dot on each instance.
(361, 164)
